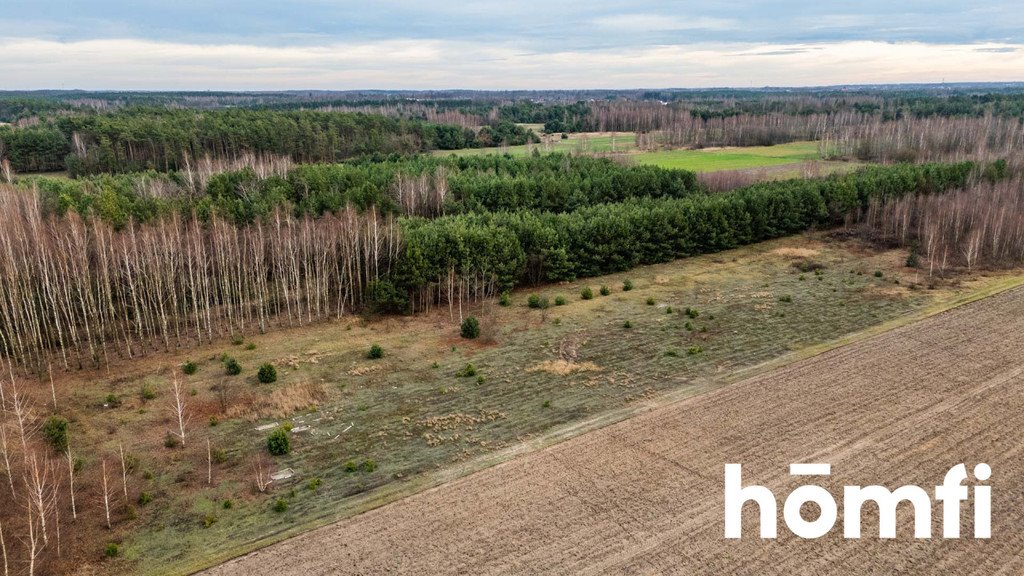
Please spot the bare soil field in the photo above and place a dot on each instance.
(644, 496)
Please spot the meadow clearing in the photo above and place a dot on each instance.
(365, 432)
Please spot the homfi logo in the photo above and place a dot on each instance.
(950, 493)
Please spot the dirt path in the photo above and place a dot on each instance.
(645, 496)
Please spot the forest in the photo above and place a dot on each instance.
(83, 285)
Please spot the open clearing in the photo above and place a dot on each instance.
(381, 430)
(623, 145)
(644, 496)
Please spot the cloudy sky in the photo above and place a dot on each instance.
(429, 44)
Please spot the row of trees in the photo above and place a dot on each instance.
(980, 225)
(423, 185)
(77, 291)
(466, 256)
(165, 139)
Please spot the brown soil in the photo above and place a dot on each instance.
(644, 496)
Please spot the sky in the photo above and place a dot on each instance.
(510, 44)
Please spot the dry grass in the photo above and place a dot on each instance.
(280, 403)
(564, 367)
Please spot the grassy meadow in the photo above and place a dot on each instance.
(385, 428)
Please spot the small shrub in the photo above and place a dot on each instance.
(627, 324)
(668, 310)
(228, 505)
(209, 520)
(480, 380)
(787, 298)
(281, 505)
(586, 293)
(878, 274)
(546, 404)
(470, 328)
(232, 367)
(691, 313)
(650, 301)
(533, 301)
(189, 368)
(671, 353)
(605, 290)
(694, 350)
(627, 285)
(214, 421)
(505, 299)
(267, 374)
(55, 432)
(147, 475)
(278, 442)
(145, 498)
(112, 401)
(375, 352)
(351, 466)
(435, 365)
(237, 340)
(112, 550)
(368, 466)
(559, 300)
(803, 277)
(218, 455)
(147, 392)
(250, 346)
(913, 260)
(688, 326)
(170, 441)
(314, 483)
(467, 372)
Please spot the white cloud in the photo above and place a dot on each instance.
(426, 64)
(640, 23)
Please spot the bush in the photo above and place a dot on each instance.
(470, 328)
(505, 299)
(237, 340)
(605, 290)
(375, 352)
(278, 442)
(627, 324)
(314, 483)
(668, 310)
(145, 498)
(147, 392)
(650, 301)
(691, 313)
(112, 400)
(112, 550)
(586, 293)
(368, 466)
(170, 441)
(878, 274)
(383, 297)
(250, 346)
(228, 505)
(280, 505)
(189, 368)
(787, 298)
(467, 372)
(533, 301)
(209, 520)
(559, 300)
(627, 285)
(55, 432)
(694, 350)
(267, 374)
(232, 367)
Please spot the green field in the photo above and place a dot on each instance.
(717, 159)
(576, 144)
(707, 160)
(382, 429)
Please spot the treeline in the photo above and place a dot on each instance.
(77, 290)
(457, 255)
(166, 139)
(421, 185)
(981, 225)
